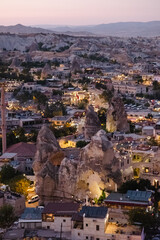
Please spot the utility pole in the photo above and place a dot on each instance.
(3, 115)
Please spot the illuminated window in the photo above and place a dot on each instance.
(146, 170)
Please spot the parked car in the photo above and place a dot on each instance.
(35, 198)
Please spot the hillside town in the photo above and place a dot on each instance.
(80, 137)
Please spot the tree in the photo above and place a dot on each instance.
(19, 133)
(19, 184)
(146, 219)
(7, 173)
(7, 216)
(138, 78)
(156, 85)
(149, 116)
(140, 184)
(131, 126)
(11, 139)
(57, 109)
(106, 95)
(64, 131)
(39, 97)
(24, 97)
(57, 92)
(16, 181)
(85, 87)
(147, 104)
(102, 115)
(101, 198)
(32, 136)
(81, 144)
(152, 141)
(83, 104)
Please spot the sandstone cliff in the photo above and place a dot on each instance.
(116, 116)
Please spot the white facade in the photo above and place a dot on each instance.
(58, 223)
(131, 89)
(100, 229)
(93, 229)
(82, 227)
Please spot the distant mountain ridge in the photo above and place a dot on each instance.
(21, 29)
(120, 29)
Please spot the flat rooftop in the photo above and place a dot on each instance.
(113, 228)
(130, 198)
(61, 118)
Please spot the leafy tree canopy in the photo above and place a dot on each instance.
(140, 184)
(81, 144)
(7, 172)
(7, 216)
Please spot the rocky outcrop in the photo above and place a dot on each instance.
(15, 63)
(94, 48)
(28, 58)
(97, 167)
(116, 116)
(92, 123)
(33, 47)
(46, 71)
(47, 161)
(59, 177)
(75, 67)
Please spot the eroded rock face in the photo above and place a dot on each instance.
(116, 116)
(68, 177)
(33, 47)
(75, 67)
(28, 58)
(97, 166)
(46, 71)
(92, 123)
(15, 62)
(48, 158)
(59, 177)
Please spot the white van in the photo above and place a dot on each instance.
(33, 199)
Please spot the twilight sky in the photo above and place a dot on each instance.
(77, 12)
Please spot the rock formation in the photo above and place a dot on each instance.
(48, 158)
(96, 169)
(92, 123)
(28, 58)
(46, 71)
(116, 116)
(75, 67)
(59, 177)
(15, 63)
(33, 47)
(94, 48)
